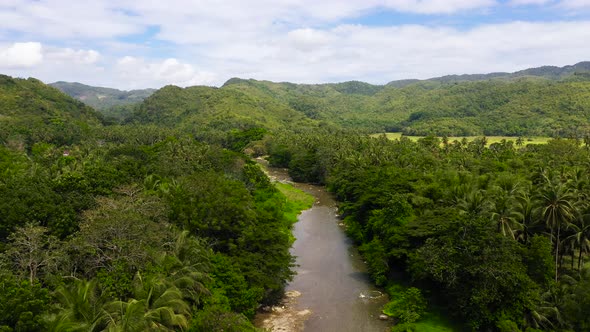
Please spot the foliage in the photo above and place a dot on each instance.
(407, 306)
(486, 228)
(22, 304)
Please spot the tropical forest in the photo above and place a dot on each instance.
(155, 211)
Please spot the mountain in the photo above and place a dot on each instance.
(543, 101)
(547, 72)
(31, 111)
(240, 105)
(102, 98)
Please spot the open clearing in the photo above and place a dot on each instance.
(490, 139)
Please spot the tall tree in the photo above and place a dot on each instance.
(557, 204)
(31, 250)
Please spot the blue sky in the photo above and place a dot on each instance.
(136, 44)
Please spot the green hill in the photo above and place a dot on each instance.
(241, 105)
(546, 101)
(548, 72)
(31, 111)
(102, 98)
(115, 105)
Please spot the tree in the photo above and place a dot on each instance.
(121, 232)
(22, 304)
(32, 250)
(581, 236)
(407, 306)
(155, 306)
(557, 209)
(504, 215)
(478, 272)
(526, 219)
(81, 308)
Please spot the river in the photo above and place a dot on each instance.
(331, 290)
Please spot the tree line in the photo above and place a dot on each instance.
(497, 236)
(138, 228)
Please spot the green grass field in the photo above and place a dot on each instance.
(491, 139)
(297, 200)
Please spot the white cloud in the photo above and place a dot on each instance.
(189, 21)
(138, 72)
(575, 4)
(58, 19)
(412, 51)
(209, 41)
(438, 6)
(530, 2)
(555, 4)
(68, 55)
(21, 55)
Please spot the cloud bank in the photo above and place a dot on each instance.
(136, 44)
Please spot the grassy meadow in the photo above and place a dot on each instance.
(491, 139)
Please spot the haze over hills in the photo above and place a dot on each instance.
(99, 97)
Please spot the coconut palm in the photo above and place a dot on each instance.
(546, 314)
(475, 203)
(580, 237)
(156, 306)
(81, 308)
(557, 207)
(186, 264)
(504, 215)
(525, 219)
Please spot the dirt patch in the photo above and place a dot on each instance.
(283, 317)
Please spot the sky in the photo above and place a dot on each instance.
(131, 44)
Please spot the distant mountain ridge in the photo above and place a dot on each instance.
(543, 101)
(102, 98)
(579, 71)
(548, 72)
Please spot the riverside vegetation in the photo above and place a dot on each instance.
(130, 228)
(158, 219)
(495, 237)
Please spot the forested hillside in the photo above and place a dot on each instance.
(102, 98)
(513, 107)
(544, 101)
(130, 228)
(32, 112)
(112, 103)
(232, 116)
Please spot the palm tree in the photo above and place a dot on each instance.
(557, 209)
(186, 265)
(581, 236)
(504, 215)
(81, 308)
(546, 313)
(474, 203)
(527, 223)
(155, 306)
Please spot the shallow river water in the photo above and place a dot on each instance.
(336, 293)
